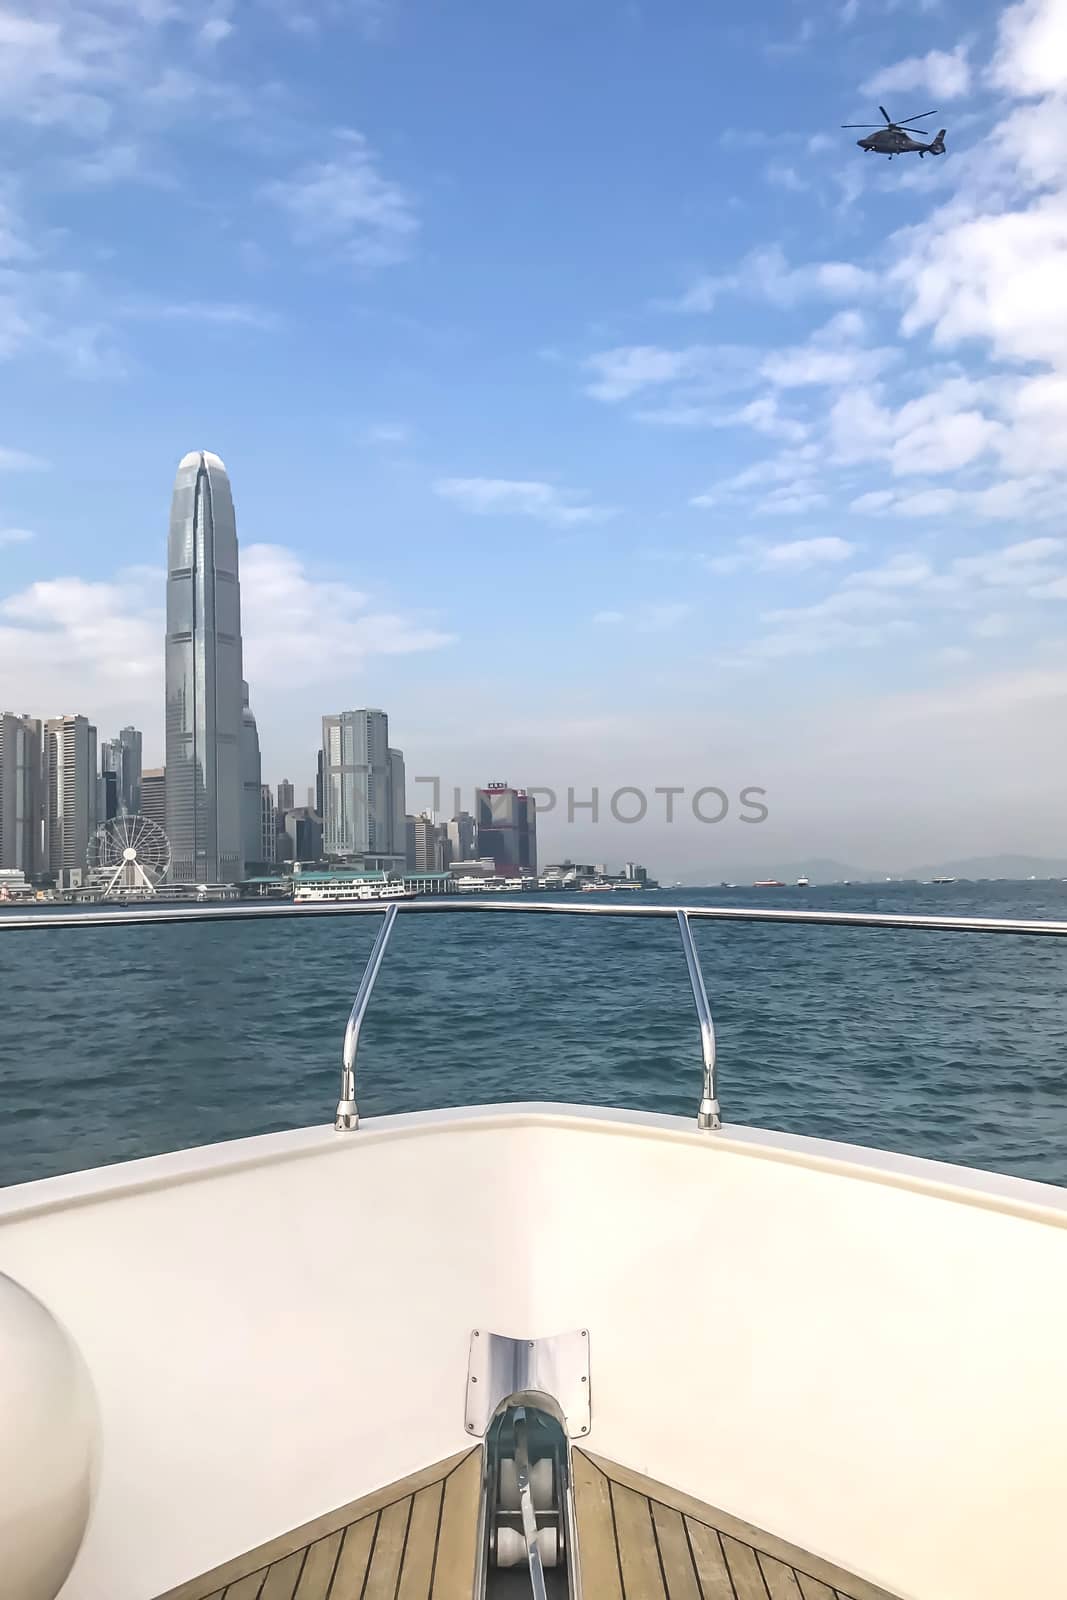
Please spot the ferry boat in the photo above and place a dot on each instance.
(531, 1348)
(347, 890)
(768, 883)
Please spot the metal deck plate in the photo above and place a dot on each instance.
(500, 1368)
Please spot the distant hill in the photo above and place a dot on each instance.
(823, 870)
(995, 867)
(818, 868)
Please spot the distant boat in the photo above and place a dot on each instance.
(768, 883)
(942, 880)
(803, 883)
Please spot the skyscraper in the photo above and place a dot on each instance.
(21, 797)
(359, 774)
(203, 676)
(268, 827)
(398, 801)
(463, 837)
(507, 828)
(122, 758)
(286, 797)
(251, 783)
(154, 795)
(70, 783)
(428, 848)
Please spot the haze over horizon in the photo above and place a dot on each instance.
(592, 404)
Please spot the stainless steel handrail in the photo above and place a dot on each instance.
(708, 1115)
(346, 1118)
(23, 921)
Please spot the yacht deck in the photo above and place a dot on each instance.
(417, 1540)
(640, 1540)
(413, 1540)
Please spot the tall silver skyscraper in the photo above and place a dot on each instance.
(359, 774)
(203, 676)
(251, 783)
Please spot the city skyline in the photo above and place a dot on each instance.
(729, 456)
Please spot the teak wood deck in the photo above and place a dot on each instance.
(417, 1540)
(413, 1540)
(641, 1540)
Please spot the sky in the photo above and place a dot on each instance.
(592, 403)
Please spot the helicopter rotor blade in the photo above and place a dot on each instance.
(919, 118)
(886, 115)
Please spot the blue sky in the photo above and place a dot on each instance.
(591, 402)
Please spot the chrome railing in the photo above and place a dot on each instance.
(346, 1119)
(245, 910)
(708, 1114)
(347, 1115)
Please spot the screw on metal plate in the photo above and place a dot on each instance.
(516, 1371)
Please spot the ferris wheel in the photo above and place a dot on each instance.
(131, 853)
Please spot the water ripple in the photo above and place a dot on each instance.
(154, 1038)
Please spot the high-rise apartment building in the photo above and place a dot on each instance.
(303, 831)
(360, 774)
(251, 784)
(507, 828)
(21, 793)
(107, 795)
(398, 802)
(286, 797)
(463, 837)
(268, 827)
(70, 792)
(203, 676)
(428, 848)
(154, 795)
(122, 757)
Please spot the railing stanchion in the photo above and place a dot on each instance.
(708, 1116)
(346, 1119)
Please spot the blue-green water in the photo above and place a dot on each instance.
(123, 1042)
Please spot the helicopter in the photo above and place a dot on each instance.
(895, 139)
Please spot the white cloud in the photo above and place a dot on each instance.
(521, 498)
(764, 415)
(20, 461)
(1031, 57)
(104, 639)
(789, 480)
(1024, 565)
(387, 433)
(302, 630)
(217, 313)
(656, 617)
(902, 571)
(942, 74)
(626, 370)
(834, 356)
(799, 553)
(214, 31)
(345, 204)
(870, 504)
(928, 503)
(767, 275)
(15, 536)
(997, 276)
